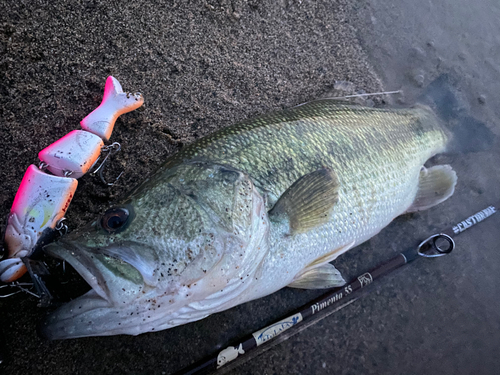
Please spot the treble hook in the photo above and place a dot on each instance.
(111, 150)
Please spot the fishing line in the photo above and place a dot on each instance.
(351, 96)
(367, 94)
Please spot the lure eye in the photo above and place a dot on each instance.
(115, 219)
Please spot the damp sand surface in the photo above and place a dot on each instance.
(205, 65)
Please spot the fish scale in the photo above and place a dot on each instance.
(376, 153)
(263, 147)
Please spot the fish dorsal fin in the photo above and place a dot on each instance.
(435, 185)
(322, 277)
(308, 203)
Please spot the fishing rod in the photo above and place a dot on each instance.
(437, 245)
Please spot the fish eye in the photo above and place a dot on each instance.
(115, 219)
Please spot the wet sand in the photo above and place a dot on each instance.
(205, 65)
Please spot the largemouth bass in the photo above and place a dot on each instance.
(253, 208)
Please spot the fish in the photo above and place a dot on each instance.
(255, 207)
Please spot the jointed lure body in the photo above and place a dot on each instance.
(46, 192)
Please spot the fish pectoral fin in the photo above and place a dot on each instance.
(435, 185)
(308, 203)
(321, 277)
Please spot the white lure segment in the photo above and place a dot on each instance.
(73, 155)
(11, 269)
(40, 202)
(114, 103)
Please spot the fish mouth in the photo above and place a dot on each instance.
(83, 262)
(97, 312)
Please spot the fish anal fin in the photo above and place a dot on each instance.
(320, 274)
(308, 203)
(435, 185)
(321, 277)
(330, 257)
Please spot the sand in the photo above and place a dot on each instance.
(200, 66)
(208, 64)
